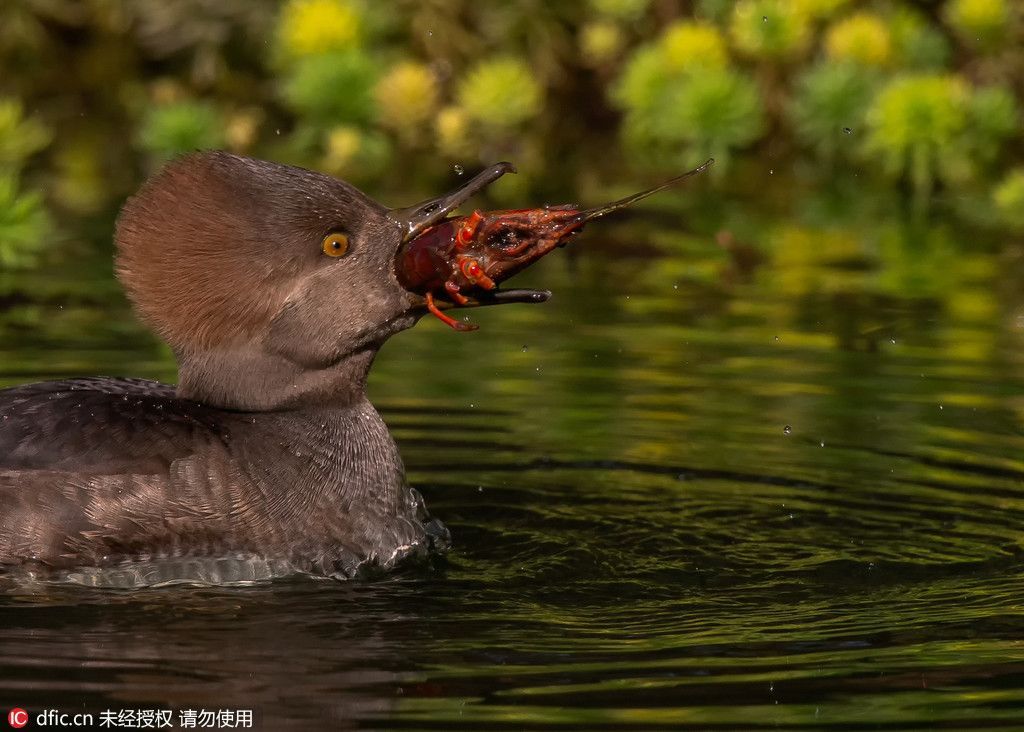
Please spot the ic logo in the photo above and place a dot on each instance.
(17, 717)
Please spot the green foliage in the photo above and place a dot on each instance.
(716, 112)
(24, 225)
(819, 9)
(351, 85)
(1009, 199)
(993, 118)
(332, 89)
(623, 10)
(918, 44)
(913, 121)
(657, 67)
(20, 138)
(356, 154)
(936, 126)
(683, 103)
(500, 94)
(691, 117)
(830, 105)
(178, 127)
(770, 29)
(981, 23)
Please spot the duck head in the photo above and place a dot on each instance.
(275, 286)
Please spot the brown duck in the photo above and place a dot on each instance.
(275, 287)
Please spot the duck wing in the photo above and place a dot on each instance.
(79, 458)
(101, 426)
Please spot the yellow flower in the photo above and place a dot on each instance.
(242, 128)
(918, 109)
(500, 93)
(407, 96)
(343, 145)
(687, 45)
(979, 22)
(1009, 199)
(453, 131)
(862, 38)
(600, 42)
(310, 27)
(769, 28)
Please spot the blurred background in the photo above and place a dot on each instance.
(918, 103)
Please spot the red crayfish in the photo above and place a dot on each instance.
(462, 259)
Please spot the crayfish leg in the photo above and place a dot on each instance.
(446, 319)
(453, 291)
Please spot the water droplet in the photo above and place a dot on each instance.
(430, 32)
(777, 339)
(787, 430)
(848, 130)
(771, 171)
(472, 406)
(764, 18)
(822, 443)
(525, 348)
(892, 341)
(277, 131)
(459, 170)
(675, 287)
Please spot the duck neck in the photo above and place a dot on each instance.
(253, 380)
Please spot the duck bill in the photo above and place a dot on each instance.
(414, 220)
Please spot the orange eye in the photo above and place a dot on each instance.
(335, 245)
(471, 269)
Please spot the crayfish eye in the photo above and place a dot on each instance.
(505, 238)
(472, 269)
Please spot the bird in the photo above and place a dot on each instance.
(275, 287)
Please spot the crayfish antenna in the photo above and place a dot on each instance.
(594, 213)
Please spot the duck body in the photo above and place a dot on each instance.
(122, 482)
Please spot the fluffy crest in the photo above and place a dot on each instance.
(211, 246)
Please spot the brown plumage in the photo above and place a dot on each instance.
(267, 457)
